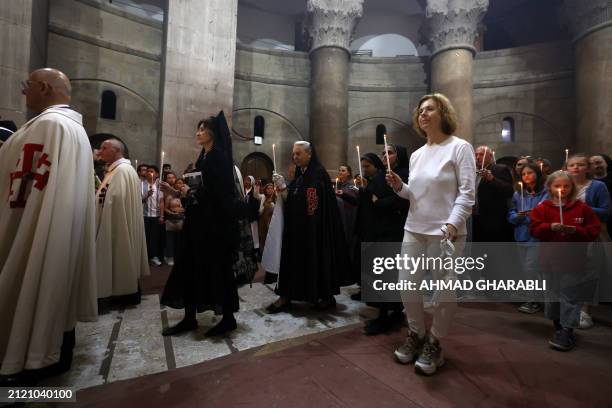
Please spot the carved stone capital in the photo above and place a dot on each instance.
(331, 23)
(585, 17)
(453, 24)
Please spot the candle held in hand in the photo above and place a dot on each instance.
(359, 161)
(560, 206)
(387, 154)
(274, 157)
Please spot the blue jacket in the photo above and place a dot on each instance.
(521, 224)
(598, 198)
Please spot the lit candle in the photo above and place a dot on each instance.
(560, 206)
(484, 158)
(541, 167)
(359, 161)
(494, 161)
(274, 157)
(336, 183)
(161, 167)
(136, 165)
(387, 154)
(566, 155)
(520, 183)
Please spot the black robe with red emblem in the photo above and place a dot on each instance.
(314, 259)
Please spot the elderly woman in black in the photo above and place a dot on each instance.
(202, 277)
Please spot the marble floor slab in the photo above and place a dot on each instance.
(127, 343)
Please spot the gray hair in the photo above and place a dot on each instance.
(304, 144)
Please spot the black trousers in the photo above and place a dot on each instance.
(154, 232)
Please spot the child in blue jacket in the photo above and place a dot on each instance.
(524, 200)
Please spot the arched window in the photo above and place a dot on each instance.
(259, 126)
(507, 133)
(381, 130)
(108, 107)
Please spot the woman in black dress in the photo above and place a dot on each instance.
(202, 278)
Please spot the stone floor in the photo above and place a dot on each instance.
(127, 343)
(496, 357)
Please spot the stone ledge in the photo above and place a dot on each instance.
(123, 13)
(498, 83)
(524, 49)
(280, 53)
(272, 81)
(54, 28)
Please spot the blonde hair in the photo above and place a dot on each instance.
(560, 174)
(447, 114)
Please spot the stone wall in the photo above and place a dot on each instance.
(384, 91)
(22, 50)
(275, 85)
(533, 85)
(101, 47)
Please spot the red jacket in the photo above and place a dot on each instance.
(575, 213)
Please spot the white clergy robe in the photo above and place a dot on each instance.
(121, 246)
(47, 238)
(270, 259)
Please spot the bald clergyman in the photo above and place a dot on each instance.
(120, 238)
(47, 234)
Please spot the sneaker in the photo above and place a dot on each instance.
(411, 348)
(155, 261)
(430, 358)
(563, 340)
(529, 307)
(169, 261)
(586, 321)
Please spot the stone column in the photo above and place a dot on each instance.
(591, 23)
(198, 72)
(23, 30)
(330, 25)
(452, 27)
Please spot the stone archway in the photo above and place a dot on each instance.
(258, 165)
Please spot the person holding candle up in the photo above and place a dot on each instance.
(563, 219)
(441, 191)
(530, 194)
(381, 217)
(314, 258)
(493, 191)
(202, 277)
(348, 201)
(595, 194)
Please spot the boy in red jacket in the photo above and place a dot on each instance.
(563, 220)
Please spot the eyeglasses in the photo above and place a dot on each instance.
(25, 84)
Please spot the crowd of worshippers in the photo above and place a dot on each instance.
(98, 234)
(165, 196)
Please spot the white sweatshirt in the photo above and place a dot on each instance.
(441, 187)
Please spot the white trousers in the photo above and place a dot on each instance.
(417, 245)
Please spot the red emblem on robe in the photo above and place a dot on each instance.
(312, 200)
(32, 171)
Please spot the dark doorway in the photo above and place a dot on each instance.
(258, 165)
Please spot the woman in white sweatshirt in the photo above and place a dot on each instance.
(441, 190)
